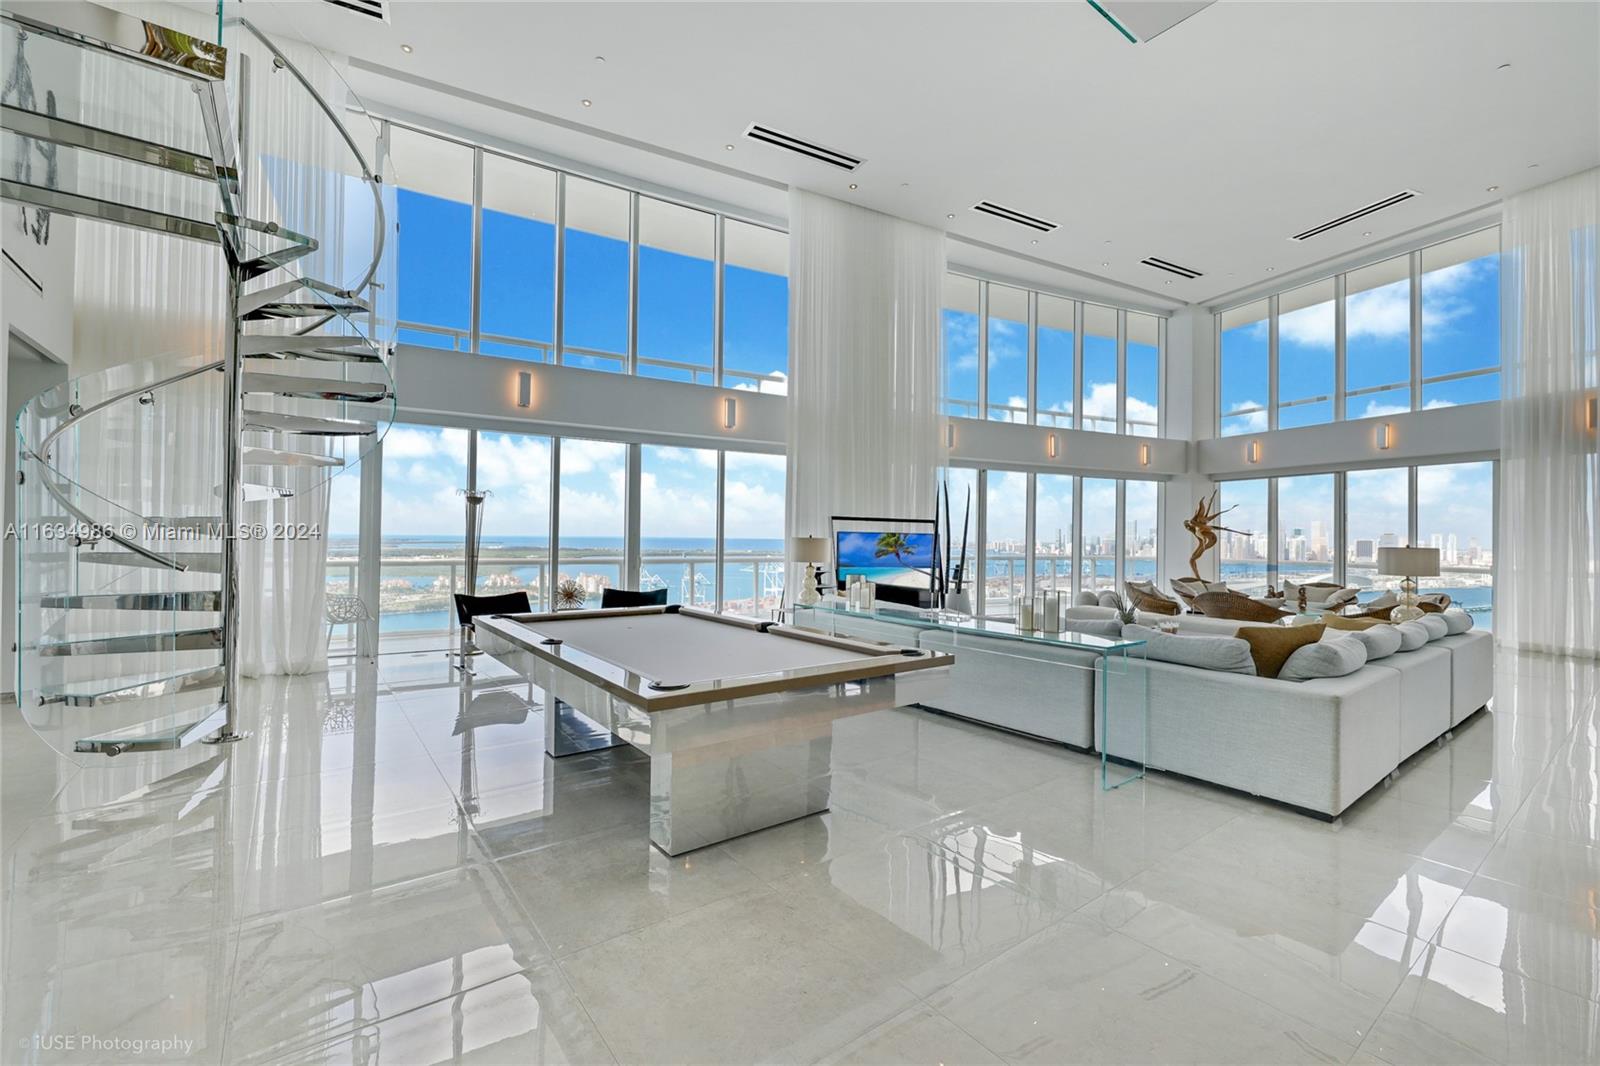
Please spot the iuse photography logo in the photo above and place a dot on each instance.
(116, 1048)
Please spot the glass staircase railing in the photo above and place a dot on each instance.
(127, 600)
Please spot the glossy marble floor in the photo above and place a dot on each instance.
(390, 870)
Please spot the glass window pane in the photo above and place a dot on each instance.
(518, 301)
(1005, 541)
(1099, 552)
(1140, 534)
(1305, 528)
(1455, 513)
(753, 548)
(1054, 344)
(1008, 354)
(755, 307)
(1099, 368)
(1461, 319)
(1305, 355)
(514, 468)
(678, 523)
(960, 330)
(960, 556)
(434, 261)
(1377, 325)
(344, 549)
(593, 523)
(1144, 374)
(1377, 515)
(1244, 343)
(677, 291)
(1242, 546)
(1052, 533)
(423, 542)
(594, 323)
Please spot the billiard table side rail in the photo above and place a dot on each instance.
(876, 659)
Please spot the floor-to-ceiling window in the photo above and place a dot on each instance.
(1054, 388)
(1306, 336)
(514, 470)
(961, 554)
(1140, 526)
(1460, 283)
(1008, 354)
(1378, 339)
(755, 307)
(344, 549)
(1143, 385)
(1005, 541)
(1097, 554)
(1099, 397)
(592, 521)
(1377, 515)
(594, 329)
(1455, 514)
(1305, 528)
(677, 291)
(678, 523)
(424, 522)
(1243, 347)
(434, 201)
(1053, 540)
(517, 287)
(1243, 545)
(959, 322)
(753, 531)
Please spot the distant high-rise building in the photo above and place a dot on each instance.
(1364, 552)
(1450, 549)
(1389, 540)
(1436, 541)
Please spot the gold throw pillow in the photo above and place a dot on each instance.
(1334, 621)
(1271, 646)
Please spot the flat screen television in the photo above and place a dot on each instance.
(895, 559)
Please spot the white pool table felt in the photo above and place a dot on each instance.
(677, 649)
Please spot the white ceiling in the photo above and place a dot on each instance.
(1207, 146)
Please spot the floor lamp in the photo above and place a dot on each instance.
(474, 498)
(1408, 564)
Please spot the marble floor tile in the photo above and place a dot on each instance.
(787, 849)
(1387, 819)
(1079, 992)
(1565, 868)
(1456, 1009)
(1561, 818)
(764, 987)
(1552, 940)
(921, 1036)
(582, 891)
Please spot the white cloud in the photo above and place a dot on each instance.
(1253, 421)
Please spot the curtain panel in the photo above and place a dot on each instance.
(1548, 563)
(865, 383)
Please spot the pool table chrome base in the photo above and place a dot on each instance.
(569, 732)
(698, 799)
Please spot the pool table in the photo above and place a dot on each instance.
(736, 714)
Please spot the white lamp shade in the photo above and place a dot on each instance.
(1408, 562)
(808, 549)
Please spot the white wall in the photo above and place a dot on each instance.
(1440, 435)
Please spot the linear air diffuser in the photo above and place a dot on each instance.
(1361, 212)
(831, 156)
(1172, 268)
(1032, 222)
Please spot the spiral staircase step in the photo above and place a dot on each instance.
(331, 347)
(314, 388)
(307, 425)
(275, 309)
(164, 733)
(131, 687)
(278, 457)
(204, 639)
(203, 562)
(135, 601)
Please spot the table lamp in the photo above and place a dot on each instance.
(1408, 564)
(811, 551)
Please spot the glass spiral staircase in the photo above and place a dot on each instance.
(129, 478)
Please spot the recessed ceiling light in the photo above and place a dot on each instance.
(1492, 188)
(1033, 242)
(949, 216)
(1366, 233)
(1105, 263)
(729, 147)
(406, 48)
(1271, 269)
(588, 103)
(1167, 283)
(852, 184)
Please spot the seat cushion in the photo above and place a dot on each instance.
(1271, 646)
(1326, 658)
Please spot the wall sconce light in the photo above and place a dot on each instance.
(1594, 413)
(524, 388)
(1144, 455)
(1385, 436)
(1252, 451)
(1050, 445)
(730, 412)
(949, 434)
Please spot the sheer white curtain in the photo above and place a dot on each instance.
(864, 373)
(141, 295)
(1548, 562)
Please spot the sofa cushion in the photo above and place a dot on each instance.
(1386, 599)
(1110, 599)
(1087, 599)
(1380, 641)
(1457, 620)
(1334, 621)
(1109, 628)
(1412, 635)
(1326, 658)
(1271, 646)
(1435, 624)
(1227, 654)
(1216, 586)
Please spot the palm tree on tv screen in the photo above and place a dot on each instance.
(899, 546)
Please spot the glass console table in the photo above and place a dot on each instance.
(1101, 678)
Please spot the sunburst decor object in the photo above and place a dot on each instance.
(569, 596)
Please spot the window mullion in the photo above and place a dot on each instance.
(1339, 335)
(1033, 358)
(983, 350)
(474, 322)
(1415, 263)
(720, 545)
(1272, 362)
(719, 255)
(1122, 370)
(558, 338)
(631, 363)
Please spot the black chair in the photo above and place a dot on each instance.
(470, 607)
(632, 598)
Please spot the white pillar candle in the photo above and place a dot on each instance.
(1025, 615)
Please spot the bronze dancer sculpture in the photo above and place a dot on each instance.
(1204, 531)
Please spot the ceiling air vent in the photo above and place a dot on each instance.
(371, 8)
(1172, 268)
(1361, 212)
(830, 156)
(1013, 216)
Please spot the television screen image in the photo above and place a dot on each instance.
(901, 559)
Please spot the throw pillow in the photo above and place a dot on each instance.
(1435, 624)
(1206, 653)
(1334, 621)
(1380, 641)
(1458, 620)
(1271, 646)
(1216, 586)
(1412, 636)
(1088, 599)
(1327, 658)
(1110, 599)
(1387, 599)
